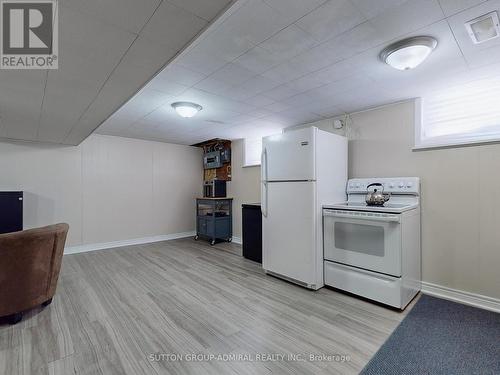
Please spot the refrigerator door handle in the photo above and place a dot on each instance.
(263, 192)
(263, 206)
(263, 162)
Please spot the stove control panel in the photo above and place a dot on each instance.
(395, 185)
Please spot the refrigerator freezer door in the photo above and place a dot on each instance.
(290, 156)
(289, 231)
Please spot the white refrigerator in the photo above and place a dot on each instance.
(301, 171)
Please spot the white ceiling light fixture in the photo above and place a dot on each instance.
(186, 109)
(408, 53)
(484, 28)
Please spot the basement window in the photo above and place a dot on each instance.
(460, 115)
(253, 149)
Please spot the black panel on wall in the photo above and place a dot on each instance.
(11, 211)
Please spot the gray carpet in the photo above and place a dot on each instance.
(441, 337)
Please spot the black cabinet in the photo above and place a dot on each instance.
(11, 211)
(214, 219)
(252, 232)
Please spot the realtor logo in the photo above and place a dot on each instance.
(29, 34)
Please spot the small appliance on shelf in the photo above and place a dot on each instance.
(214, 189)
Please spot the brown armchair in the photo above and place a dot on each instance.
(30, 261)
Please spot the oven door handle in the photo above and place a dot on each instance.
(384, 218)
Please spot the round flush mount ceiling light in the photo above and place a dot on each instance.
(408, 53)
(186, 109)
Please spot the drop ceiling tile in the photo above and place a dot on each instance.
(293, 117)
(451, 7)
(483, 57)
(225, 43)
(294, 9)
(329, 111)
(281, 92)
(314, 59)
(425, 79)
(457, 25)
(146, 53)
(114, 126)
(65, 119)
(213, 86)
(260, 113)
(201, 62)
(206, 9)
(66, 99)
(232, 74)
(216, 116)
(286, 72)
(331, 19)
(368, 96)
(326, 75)
(289, 42)
(89, 51)
(163, 114)
(304, 99)
(256, 21)
(31, 81)
(240, 119)
(145, 101)
(178, 74)
(20, 125)
(339, 87)
(407, 17)
(258, 60)
(166, 87)
(210, 130)
(369, 9)
(21, 93)
(141, 62)
(126, 14)
(86, 40)
(172, 26)
(321, 106)
(354, 41)
(259, 101)
(278, 107)
(252, 87)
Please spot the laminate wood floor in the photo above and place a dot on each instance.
(138, 309)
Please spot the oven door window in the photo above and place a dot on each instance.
(364, 243)
(360, 238)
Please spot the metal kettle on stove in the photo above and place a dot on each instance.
(377, 197)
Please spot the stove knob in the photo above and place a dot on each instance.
(401, 185)
(409, 184)
(391, 185)
(358, 185)
(351, 185)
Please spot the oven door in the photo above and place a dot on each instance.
(368, 240)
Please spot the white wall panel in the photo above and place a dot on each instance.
(107, 189)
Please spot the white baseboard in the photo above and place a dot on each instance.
(237, 240)
(134, 241)
(467, 298)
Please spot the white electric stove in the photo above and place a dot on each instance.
(374, 251)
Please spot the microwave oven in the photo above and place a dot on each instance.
(214, 189)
